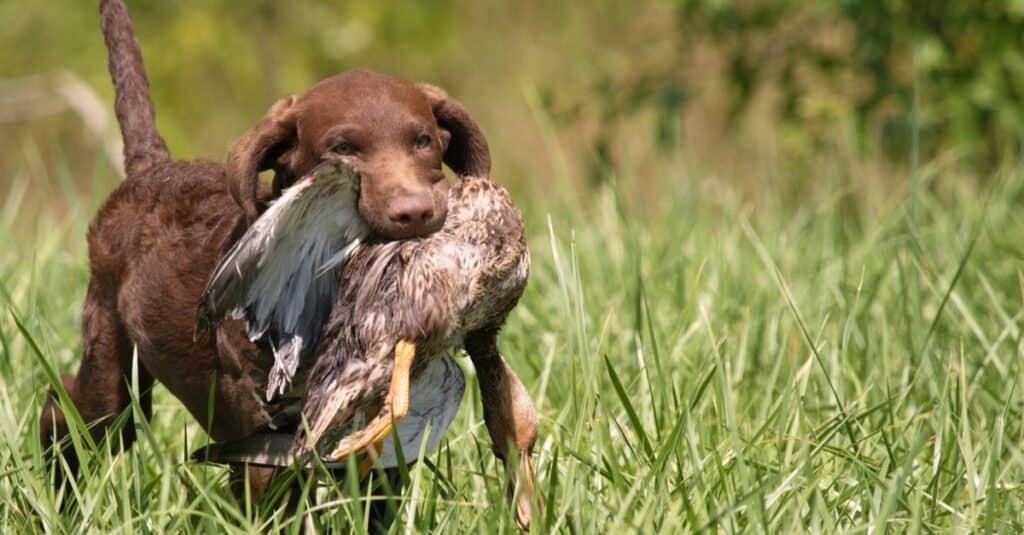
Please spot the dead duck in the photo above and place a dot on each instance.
(397, 310)
(404, 304)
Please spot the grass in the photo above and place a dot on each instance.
(845, 361)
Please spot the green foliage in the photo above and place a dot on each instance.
(949, 72)
(846, 364)
(898, 78)
(888, 80)
(215, 66)
(746, 323)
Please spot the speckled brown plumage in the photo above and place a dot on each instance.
(429, 291)
(452, 289)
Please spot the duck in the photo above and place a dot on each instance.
(365, 333)
(403, 305)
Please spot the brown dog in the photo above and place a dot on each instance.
(159, 235)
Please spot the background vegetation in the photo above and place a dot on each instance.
(777, 252)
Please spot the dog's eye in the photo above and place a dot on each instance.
(423, 141)
(345, 149)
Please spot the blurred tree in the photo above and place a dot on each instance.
(944, 75)
(950, 72)
(776, 81)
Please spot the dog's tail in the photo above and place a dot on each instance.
(143, 146)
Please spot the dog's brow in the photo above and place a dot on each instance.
(339, 132)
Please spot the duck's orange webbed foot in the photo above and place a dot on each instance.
(396, 406)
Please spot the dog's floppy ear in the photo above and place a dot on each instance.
(467, 153)
(258, 150)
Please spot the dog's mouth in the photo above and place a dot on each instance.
(404, 217)
(383, 229)
(399, 216)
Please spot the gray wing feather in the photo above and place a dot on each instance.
(282, 273)
(264, 449)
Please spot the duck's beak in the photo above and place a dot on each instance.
(396, 406)
(526, 501)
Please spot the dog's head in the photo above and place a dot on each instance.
(394, 133)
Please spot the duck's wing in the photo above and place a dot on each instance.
(434, 398)
(262, 449)
(330, 405)
(283, 270)
(337, 390)
(393, 410)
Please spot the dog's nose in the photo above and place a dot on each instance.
(411, 211)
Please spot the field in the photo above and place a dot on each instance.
(733, 323)
(848, 362)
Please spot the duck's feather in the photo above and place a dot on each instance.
(429, 291)
(263, 448)
(434, 399)
(281, 276)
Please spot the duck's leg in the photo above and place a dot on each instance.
(510, 418)
(396, 405)
(370, 457)
(371, 454)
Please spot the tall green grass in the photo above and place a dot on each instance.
(833, 362)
